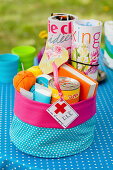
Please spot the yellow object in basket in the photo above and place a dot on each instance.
(35, 70)
(70, 90)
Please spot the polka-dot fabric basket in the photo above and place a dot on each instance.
(35, 132)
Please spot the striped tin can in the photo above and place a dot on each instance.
(70, 89)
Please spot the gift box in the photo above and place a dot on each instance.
(35, 132)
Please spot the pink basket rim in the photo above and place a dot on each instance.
(34, 113)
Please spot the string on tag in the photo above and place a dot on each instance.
(84, 63)
(55, 73)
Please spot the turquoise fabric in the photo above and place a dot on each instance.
(51, 142)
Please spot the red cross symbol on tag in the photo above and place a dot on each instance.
(62, 112)
(60, 108)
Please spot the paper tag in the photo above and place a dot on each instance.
(62, 112)
(53, 53)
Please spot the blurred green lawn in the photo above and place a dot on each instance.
(22, 20)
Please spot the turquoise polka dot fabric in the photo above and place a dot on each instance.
(51, 142)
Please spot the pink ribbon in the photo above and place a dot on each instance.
(55, 73)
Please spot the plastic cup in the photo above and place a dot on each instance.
(8, 67)
(26, 55)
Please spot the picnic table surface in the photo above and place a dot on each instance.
(98, 156)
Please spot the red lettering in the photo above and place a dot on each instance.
(70, 30)
(62, 29)
(96, 40)
(53, 27)
(49, 26)
(74, 36)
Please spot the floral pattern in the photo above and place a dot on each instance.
(53, 53)
(58, 49)
(82, 54)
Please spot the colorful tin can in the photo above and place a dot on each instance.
(70, 89)
(60, 30)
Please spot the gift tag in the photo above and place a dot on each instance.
(53, 53)
(62, 112)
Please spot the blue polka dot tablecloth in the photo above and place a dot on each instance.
(98, 156)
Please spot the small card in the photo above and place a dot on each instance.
(26, 93)
(62, 112)
(53, 53)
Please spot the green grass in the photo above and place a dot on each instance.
(22, 20)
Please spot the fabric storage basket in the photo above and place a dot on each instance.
(35, 132)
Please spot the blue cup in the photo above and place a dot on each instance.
(8, 67)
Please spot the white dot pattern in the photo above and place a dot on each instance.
(98, 156)
(51, 142)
